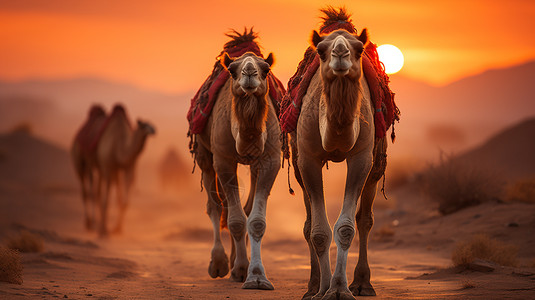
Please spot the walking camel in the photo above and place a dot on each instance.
(117, 151)
(243, 128)
(84, 160)
(336, 123)
(105, 152)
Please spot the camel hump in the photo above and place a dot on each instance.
(96, 111)
(118, 109)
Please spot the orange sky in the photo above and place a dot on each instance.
(170, 45)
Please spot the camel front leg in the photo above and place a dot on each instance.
(226, 173)
(344, 230)
(256, 223)
(320, 234)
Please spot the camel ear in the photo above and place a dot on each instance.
(316, 38)
(363, 37)
(229, 64)
(270, 60)
(226, 61)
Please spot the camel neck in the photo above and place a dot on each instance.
(134, 146)
(339, 108)
(342, 100)
(249, 115)
(250, 112)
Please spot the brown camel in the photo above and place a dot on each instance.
(117, 151)
(84, 160)
(335, 124)
(242, 128)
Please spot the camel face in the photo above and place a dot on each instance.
(249, 73)
(340, 53)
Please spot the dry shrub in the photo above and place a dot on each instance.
(485, 248)
(522, 191)
(10, 266)
(25, 242)
(456, 185)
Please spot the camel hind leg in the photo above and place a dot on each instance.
(219, 263)
(314, 280)
(361, 285)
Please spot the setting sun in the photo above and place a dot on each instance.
(391, 57)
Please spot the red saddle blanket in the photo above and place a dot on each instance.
(203, 101)
(386, 111)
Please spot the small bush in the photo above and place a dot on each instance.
(25, 242)
(485, 248)
(456, 185)
(522, 191)
(10, 266)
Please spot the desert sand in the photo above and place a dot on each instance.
(165, 249)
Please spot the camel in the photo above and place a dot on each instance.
(243, 128)
(84, 160)
(117, 151)
(336, 124)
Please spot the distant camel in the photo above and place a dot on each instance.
(336, 123)
(117, 151)
(242, 128)
(84, 160)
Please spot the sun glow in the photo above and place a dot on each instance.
(391, 57)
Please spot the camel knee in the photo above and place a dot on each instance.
(306, 229)
(343, 235)
(256, 228)
(237, 228)
(321, 241)
(364, 223)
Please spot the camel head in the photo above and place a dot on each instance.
(96, 111)
(250, 106)
(340, 53)
(145, 128)
(249, 73)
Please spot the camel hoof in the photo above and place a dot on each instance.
(218, 265)
(309, 294)
(362, 290)
(257, 282)
(238, 274)
(338, 295)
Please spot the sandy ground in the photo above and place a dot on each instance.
(165, 250)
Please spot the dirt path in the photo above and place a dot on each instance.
(165, 251)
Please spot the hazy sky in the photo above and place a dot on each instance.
(171, 45)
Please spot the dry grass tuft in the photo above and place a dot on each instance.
(521, 191)
(485, 248)
(456, 185)
(25, 242)
(10, 266)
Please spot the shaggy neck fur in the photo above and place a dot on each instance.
(250, 114)
(341, 101)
